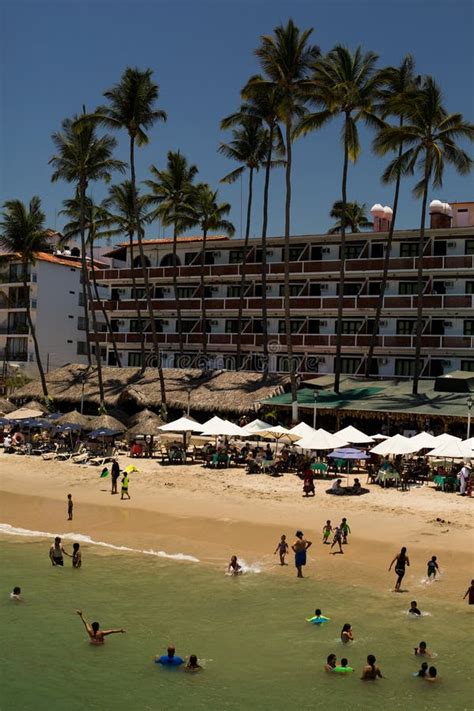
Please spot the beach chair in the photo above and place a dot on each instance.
(100, 460)
(63, 456)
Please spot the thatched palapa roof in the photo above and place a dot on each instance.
(222, 391)
(6, 406)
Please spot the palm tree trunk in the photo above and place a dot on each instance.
(31, 325)
(386, 262)
(419, 301)
(340, 300)
(264, 253)
(244, 272)
(84, 279)
(90, 301)
(288, 334)
(141, 325)
(203, 297)
(102, 308)
(175, 289)
(156, 348)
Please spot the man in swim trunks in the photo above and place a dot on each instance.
(96, 635)
(300, 546)
(115, 473)
(56, 552)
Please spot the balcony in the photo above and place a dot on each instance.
(19, 357)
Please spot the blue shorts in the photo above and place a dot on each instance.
(300, 558)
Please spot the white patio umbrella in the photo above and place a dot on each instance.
(183, 424)
(322, 440)
(424, 440)
(217, 426)
(279, 434)
(255, 426)
(453, 450)
(303, 430)
(445, 437)
(380, 436)
(398, 444)
(354, 436)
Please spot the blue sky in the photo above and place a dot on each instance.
(57, 56)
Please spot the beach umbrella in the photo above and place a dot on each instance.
(445, 437)
(217, 426)
(103, 432)
(354, 436)
(143, 415)
(4, 422)
(256, 426)
(183, 424)
(24, 413)
(39, 422)
(424, 440)
(303, 430)
(279, 434)
(398, 444)
(380, 436)
(106, 422)
(146, 428)
(67, 428)
(348, 454)
(75, 418)
(322, 440)
(453, 450)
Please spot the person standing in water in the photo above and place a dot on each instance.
(96, 635)
(300, 546)
(76, 556)
(401, 560)
(125, 482)
(433, 569)
(234, 567)
(470, 592)
(346, 634)
(282, 549)
(370, 672)
(70, 506)
(56, 552)
(330, 663)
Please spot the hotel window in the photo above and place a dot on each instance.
(470, 246)
(349, 327)
(135, 360)
(138, 293)
(185, 292)
(236, 256)
(409, 249)
(406, 327)
(232, 326)
(295, 289)
(469, 327)
(295, 326)
(295, 253)
(404, 367)
(188, 325)
(81, 323)
(233, 292)
(375, 287)
(377, 250)
(315, 289)
(313, 326)
(350, 288)
(470, 287)
(467, 365)
(81, 348)
(352, 251)
(135, 325)
(258, 290)
(407, 288)
(316, 253)
(189, 257)
(349, 365)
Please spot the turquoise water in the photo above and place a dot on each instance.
(249, 633)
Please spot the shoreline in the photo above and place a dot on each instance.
(212, 514)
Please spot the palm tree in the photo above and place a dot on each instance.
(263, 104)
(132, 107)
(429, 139)
(22, 231)
(172, 192)
(395, 96)
(343, 84)
(121, 213)
(286, 58)
(97, 225)
(249, 146)
(209, 215)
(355, 217)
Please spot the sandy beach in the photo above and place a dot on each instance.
(211, 514)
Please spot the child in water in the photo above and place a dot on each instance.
(423, 671)
(234, 567)
(330, 663)
(346, 634)
(282, 549)
(413, 608)
(76, 556)
(318, 618)
(327, 528)
(16, 595)
(344, 665)
(433, 568)
(193, 664)
(432, 675)
(422, 651)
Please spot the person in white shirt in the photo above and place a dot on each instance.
(463, 477)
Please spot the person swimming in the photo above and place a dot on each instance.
(234, 567)
(422, 651)
(423, 671)
(96, 635)
(330, 663)
(432, 675)
(370, 672)
(413, 608)
(318, 618)
(346, 634)
(16, 595)
(343, 667)
(193, 664)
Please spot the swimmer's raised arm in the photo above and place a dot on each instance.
(120, 631)
(84, 621)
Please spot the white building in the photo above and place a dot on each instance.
(55, 296)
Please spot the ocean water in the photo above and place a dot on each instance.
(249, 633)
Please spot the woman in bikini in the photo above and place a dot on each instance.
(370, 672)
(401, 561)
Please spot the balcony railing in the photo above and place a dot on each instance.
(20, 357)
(303, 268)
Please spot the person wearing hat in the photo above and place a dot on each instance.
(300, 546)
(464, 475)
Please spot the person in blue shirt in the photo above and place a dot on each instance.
(170, 659)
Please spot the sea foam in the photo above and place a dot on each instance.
(9, 530)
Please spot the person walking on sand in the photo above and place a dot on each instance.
(401, 561)
(56, 552)
(70, 506)
(96, 635)
(337, 539)
(345, 528)
(125, 487)
(115, 473)
(300, 546)
(327, 529)
(470, 592)
(464, 475)
(282, 549)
